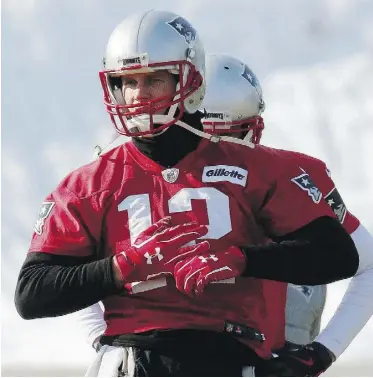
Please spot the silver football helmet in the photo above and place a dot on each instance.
(234, 99)
(147, 42)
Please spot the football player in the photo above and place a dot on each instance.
(147, 226)
(234, 105)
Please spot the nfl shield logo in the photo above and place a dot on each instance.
(170, 175)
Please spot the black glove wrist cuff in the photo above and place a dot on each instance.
(323, 353)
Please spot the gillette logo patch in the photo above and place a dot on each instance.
(216, 173)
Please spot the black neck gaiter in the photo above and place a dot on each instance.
(173, 145)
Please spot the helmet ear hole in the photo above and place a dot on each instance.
(115, 82)
(176, 78)
(115, 85)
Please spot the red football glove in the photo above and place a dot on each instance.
(194, 273)
(158, 248)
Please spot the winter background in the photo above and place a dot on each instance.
(315, 63)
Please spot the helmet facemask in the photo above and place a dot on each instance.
(152, 117)
(147, 42)
(220, 123)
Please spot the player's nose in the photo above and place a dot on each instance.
(142, 91)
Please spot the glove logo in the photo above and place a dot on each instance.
(149, 257)
(204, 259)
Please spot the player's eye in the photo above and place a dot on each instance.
(129, 83)
(156, 82)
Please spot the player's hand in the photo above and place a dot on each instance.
(158, 248)
(306, 361)
(194, 273)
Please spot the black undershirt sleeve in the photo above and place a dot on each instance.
(53, 285)
(319, 253)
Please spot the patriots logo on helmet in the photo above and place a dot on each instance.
(250, 76)
(184, 28)
(305, 182)
(253, 80)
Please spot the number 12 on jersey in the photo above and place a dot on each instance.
(139, 218)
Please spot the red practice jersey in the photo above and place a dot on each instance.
(244, 195)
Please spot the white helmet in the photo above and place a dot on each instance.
(234, 99)
(147, 42)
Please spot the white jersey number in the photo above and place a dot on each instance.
(139, 218)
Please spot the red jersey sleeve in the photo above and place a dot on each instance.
(293, 201)
(64, 225)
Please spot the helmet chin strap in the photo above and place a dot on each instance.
(120, 139)
(249, 135)
(216, 138)
(142, 122)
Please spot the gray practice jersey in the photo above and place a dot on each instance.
(304, 307)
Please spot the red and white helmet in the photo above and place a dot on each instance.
(234, 99)
(147, 42)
